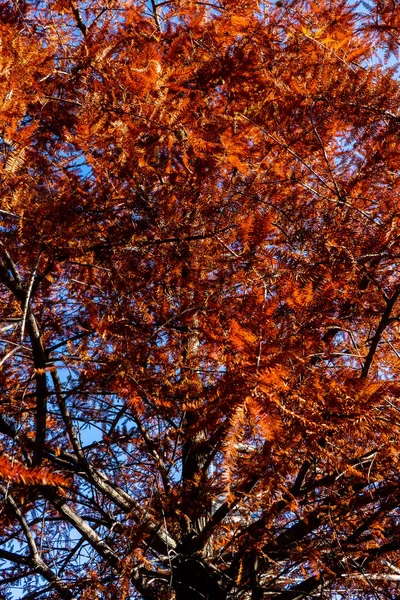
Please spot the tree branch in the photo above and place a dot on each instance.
(384, 322)
(35, 559)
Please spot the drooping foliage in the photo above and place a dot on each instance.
(199, 299)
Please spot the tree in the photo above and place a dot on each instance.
(199, 287)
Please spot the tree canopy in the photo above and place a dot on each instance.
(199, 299)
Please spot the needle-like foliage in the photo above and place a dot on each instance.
(199, 300)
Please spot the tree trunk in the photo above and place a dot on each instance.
(193, 580)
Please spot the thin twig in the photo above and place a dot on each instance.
(321, 143)
(64, 100)
(9, 214)
(288, 149)
(10, 353)
(155, 15)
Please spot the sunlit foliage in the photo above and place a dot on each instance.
(199, 299)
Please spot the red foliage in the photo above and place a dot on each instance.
(199, 299)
